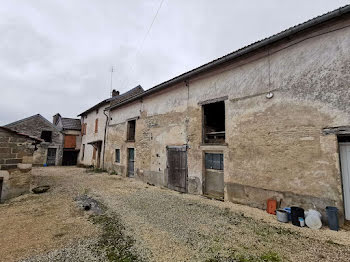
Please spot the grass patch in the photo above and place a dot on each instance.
(114, 243)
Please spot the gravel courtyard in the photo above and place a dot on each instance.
(133, 221)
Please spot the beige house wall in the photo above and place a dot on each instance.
(91, 136)
(274, 147)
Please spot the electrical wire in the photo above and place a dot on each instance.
(139, 49)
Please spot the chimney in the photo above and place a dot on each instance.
(55, 118)
(115, 93)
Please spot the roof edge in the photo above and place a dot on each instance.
(240, 52)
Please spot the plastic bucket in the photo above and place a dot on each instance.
(297, 212)
(282, 215)
(313, 219)
(289, 211)
(332, 215)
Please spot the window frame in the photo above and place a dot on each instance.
(96, 125)
(213, 164)
(117, 155)
(128, 134)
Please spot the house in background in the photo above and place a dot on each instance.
(71, 129)
(16, 158)
(50, 151)
(93, 128)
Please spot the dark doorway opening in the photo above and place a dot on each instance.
(214, 123)
(70, 157)
(51, 156)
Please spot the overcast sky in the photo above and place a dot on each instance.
(56, 55)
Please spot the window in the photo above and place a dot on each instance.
(131, 130)
(214, 161)
(96, 125)
(117, 155)
(83, 131)
(46, 136)
(70, 141)
(214, 123)
(83, 153)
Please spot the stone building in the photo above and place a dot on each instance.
(16, 158)
(93, 127)
(49, 152)
(271, 120)
(71, 129)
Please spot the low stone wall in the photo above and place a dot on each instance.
(16, 181)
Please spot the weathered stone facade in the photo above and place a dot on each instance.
(278, 99)
(16, 157)
(34, 126)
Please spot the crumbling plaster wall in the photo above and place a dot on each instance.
(275, 147)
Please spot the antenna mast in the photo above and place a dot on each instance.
(112, 71)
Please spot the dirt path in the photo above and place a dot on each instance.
(146, 223)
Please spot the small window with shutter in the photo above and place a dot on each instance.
(96, 125)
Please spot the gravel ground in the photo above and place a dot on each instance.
(146, 223)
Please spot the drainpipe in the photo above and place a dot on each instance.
(104, 140)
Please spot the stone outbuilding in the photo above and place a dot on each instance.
(271, 120)
(16, 158)
(71, 129)
(49, 152)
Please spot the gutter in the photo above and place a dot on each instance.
(240, 52)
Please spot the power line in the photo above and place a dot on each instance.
(132, 68)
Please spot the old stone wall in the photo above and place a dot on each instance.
(34, 126)
(16, 157)
(274, 146)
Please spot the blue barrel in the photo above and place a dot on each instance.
(332, 215)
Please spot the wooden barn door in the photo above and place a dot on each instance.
(177, 168)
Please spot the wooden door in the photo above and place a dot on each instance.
(131, 162)
(51, 157)
(177, 168)
(214, 175)
(344, 149)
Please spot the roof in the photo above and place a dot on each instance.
(116, 99)
(240, 52)
(29, 118)
(21, 134)
(71, 123)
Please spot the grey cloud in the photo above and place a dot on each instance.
(55, 56)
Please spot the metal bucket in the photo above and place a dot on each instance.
(282, 215)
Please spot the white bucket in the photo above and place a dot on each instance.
(282, 215)
(313, 219)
